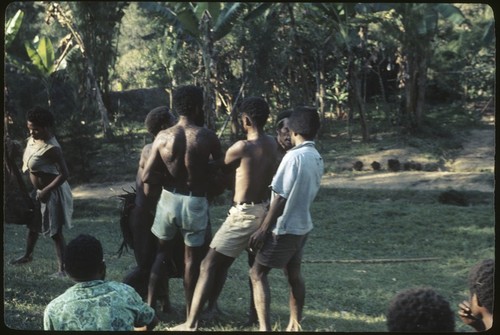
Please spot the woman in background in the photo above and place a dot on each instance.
(48, 173)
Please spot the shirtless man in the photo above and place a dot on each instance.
(180, 158)
(284, 144)
(254, 160)
(143, 213)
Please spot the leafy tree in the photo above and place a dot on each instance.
(416, 26)
(95, 41)
(203, 24)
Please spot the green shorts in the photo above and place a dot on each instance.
(186, 213)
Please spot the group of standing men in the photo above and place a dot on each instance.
(177, 174)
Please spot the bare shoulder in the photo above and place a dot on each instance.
(163, 136)
(146, 150)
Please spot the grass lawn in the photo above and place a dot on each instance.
(343, 295)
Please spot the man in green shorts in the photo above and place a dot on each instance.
(180, 158)
(255, 163)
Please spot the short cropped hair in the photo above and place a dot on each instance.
(304, 121)
(187, 99)
(481, 283)
(159, 118)
(420, 310)
(282, 115)
(256, 108)
(83, 257)
(40, 116)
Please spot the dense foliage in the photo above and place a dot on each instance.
(375, 67)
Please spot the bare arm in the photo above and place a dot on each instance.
(233, 156)
(152, 173)
(55, 154)
(275, 211)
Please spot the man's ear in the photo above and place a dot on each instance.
(247, 121)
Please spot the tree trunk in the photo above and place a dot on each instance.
(208, 89)
(106, 129)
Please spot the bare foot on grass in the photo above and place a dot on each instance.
(21, 260)
(182, 327)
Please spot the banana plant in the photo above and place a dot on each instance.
(205, 23)
(12, 27)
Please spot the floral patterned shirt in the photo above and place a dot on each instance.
(97, 305)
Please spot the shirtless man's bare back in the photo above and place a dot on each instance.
(179, 161)
(142, 214)
(254, 160)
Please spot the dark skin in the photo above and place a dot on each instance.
(259, 272)
(100, 274)
(284, 144)
(180, 158)
(44, 183)
(254, 159)
(473, 314)
(141, 219)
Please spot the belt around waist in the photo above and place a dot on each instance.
(249, 202)
(183, 191)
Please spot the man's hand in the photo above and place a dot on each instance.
(256, 241)
(465, 313)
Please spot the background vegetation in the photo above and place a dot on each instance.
(376, 68)
(395, 75)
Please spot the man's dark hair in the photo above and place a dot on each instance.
(83, 257)
(40, 116)
(420, 310)
(256, 108)
(282, 115)
(481, 283)
(159, 118)
(187, 99)
(304, 121)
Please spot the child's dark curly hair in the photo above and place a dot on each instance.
(304, 121)
(420, 309)
(256, 108)
(481, 283)
(40, 116)
(83, 257)
(187, 99)
(159, 118)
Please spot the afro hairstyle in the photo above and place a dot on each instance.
(420, 310)
(83, 257)
(187, 99)
(256, 108)
(481, 283)
(40, 116)
(159, 118)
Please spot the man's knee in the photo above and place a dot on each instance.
(293, 274)
(256, 273)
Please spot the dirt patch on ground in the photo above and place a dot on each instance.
(471, 170)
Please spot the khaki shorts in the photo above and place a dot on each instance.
(242, 221)
(186, 213)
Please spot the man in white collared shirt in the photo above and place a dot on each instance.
(282, 235)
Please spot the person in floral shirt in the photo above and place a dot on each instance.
(94, 303)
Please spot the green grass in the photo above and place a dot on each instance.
(341, 296)
(350, 224)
